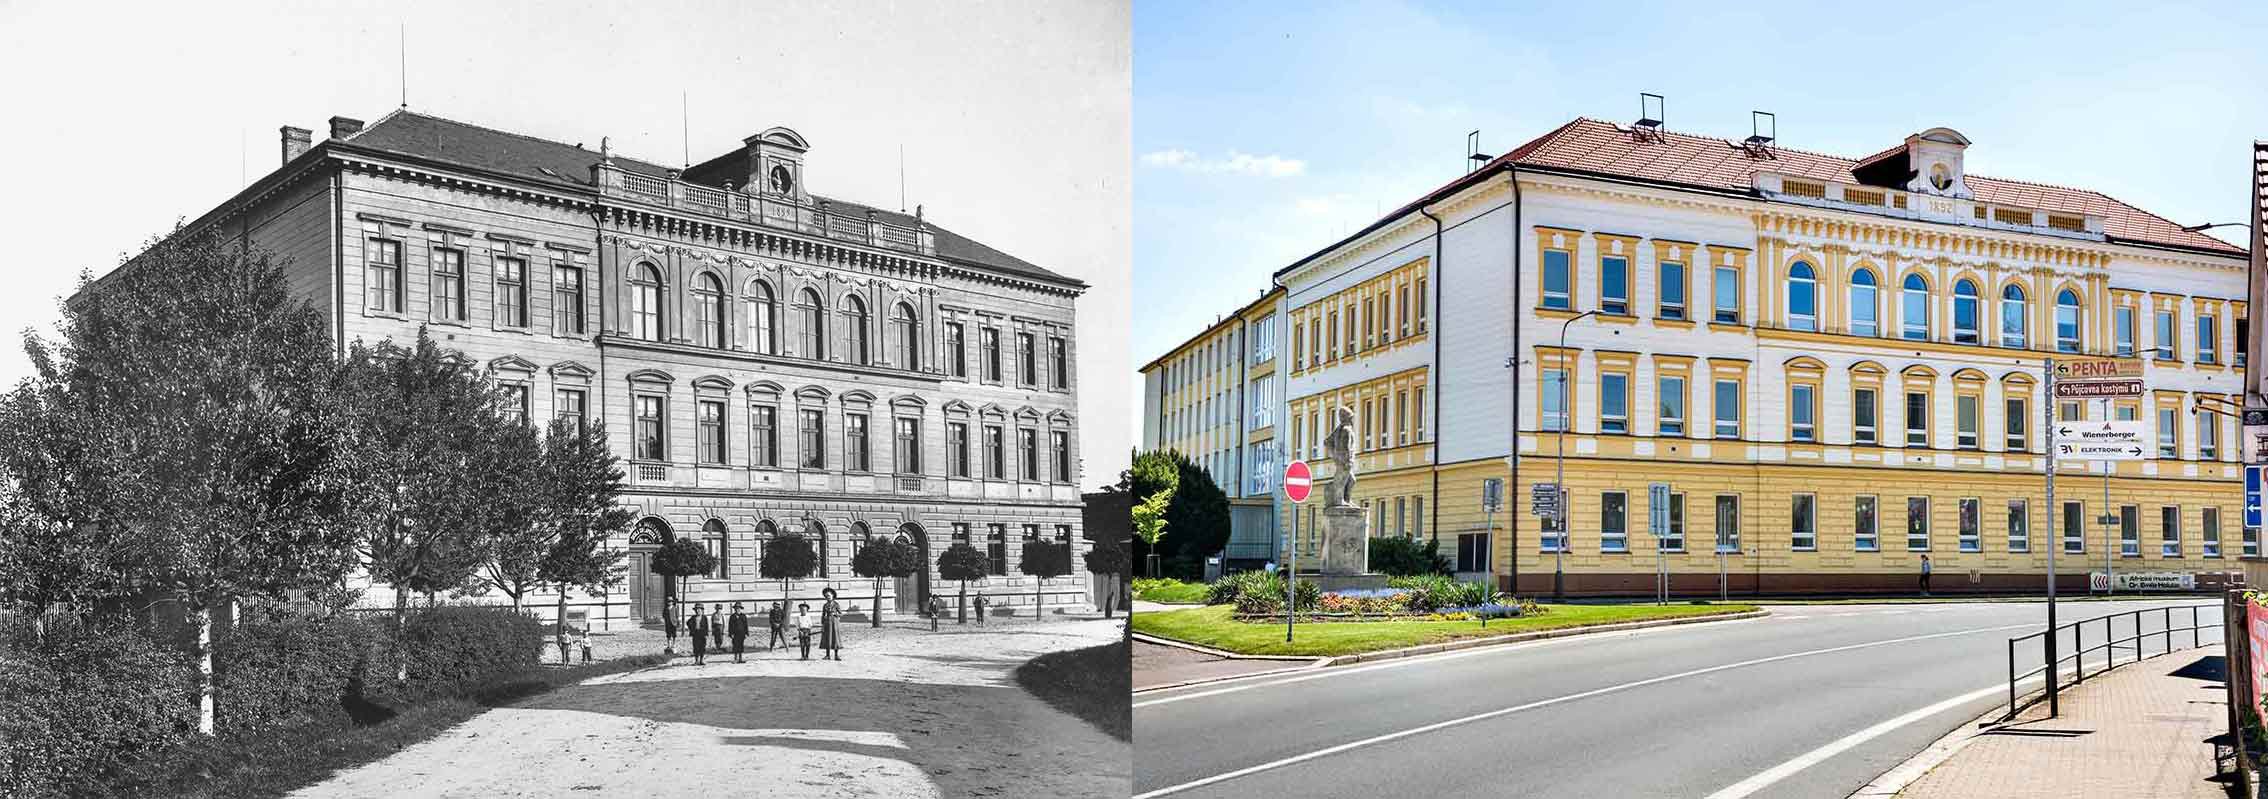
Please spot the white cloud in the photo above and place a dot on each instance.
(1237, 163)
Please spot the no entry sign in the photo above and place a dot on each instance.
(1297, 482)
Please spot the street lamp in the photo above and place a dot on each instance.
(1559, 480)
(2210, 225)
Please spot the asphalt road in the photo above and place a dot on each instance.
(1768, 705)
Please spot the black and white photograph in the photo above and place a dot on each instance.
(678, 399)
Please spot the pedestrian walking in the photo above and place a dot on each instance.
(1925, 574)
(830, 627)
(981, 604)
(697, 626)
(803, 628)
(738, 626)
(778, 617)
(936, 609)
(716, 627)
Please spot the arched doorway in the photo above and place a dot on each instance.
(649, 592)
(911, 590)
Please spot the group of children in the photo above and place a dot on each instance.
(715, 626)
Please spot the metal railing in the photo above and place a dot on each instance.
(2077, 635)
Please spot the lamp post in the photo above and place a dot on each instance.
(1559, 479)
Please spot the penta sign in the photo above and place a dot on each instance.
(2098, 369)
(1298, 483)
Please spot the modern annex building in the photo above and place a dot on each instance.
(1836, 364)
(1215, 398)
(765, 359)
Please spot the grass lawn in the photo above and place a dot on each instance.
(1093, 684)
(1173, 593)
(1211, 626)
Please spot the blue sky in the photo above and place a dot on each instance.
(1263, 133)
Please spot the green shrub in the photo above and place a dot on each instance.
(1224, 591)
(1431, 592)
(85, 700)
(1407, 557)
(282, 665)
(456, 649)
(1265, 594)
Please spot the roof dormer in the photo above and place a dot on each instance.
(775, 164)
(1934, 155)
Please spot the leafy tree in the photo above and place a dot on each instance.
(1044, 559)
(1150, 524)
(580, 488)
(788, 556)
(682, 558)
(1407, 557)
(518, 536)
(963, 563)
(885, 557)
(184, 438)
(1199, 512)
(1110, 558)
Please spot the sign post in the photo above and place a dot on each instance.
(1298, 483)
(2052, 368)
(1657, 522)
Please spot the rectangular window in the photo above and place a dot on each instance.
(711, 431)
(2019, 525)
(1917, 524)
(1614, 403)
(1803, 522)
(1917, 419)
(2169, 441)
(1553, 395)
(2130, 531)
(1472, 552)
(2252, 542)
(1059, 363)
(2163, 339)
(716, 547)
(2015, 425)
(2243, 339)
(907, 454)
(648, 443)
(996, 549)
(956, 350)
(1614, 285)
(2123, 332)
(449, 284)
(1726, 286)
(1614, 534)
(1417, 413)
(569, 404)
(382, 276)
(1728, 523)
(1027, 451)
(1402, 309)
(2074, 527)
(512, 292)
(989, 343)
(1971, 532)
(1421, 303)
(855, 453)
(1866, 525)
(2169, 531)
(1672, 285)
(1674, 539)
(1803, 414)
(1965, 421)
(2208, 340)
(995, 452)
(1727, 408)
(516, 403)
(567, 300)
(764, 436)
(1557, 282)
(1027, 361)
(1670, 421)
(957, 447)
(1863, 416)
(2212, 543)
(1060, 443)
(2208, 435)
(813, 439)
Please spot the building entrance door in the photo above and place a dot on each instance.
(912, 589)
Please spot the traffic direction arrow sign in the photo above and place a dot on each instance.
(2098, 368)
(2252, 496)
(2097, 389)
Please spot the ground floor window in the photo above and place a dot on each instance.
(1728, 523)
(996, 549)
(1614, 534)
(1673, 540)
(1917, 524)
(1865, 527)
(2212, 547)
(1803, 522)
(2019, 525)
(1972, 534)
(1472, 552)
(2129, 531)
(2074, 527)
(2169, 526)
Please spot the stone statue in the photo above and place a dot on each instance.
(1339, 447)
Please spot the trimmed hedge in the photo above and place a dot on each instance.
(280, 666)
(85, 700)
(456, 649)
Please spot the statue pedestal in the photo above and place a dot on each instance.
(1346, 551)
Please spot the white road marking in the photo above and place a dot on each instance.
(1765, 779)
(1442, 725)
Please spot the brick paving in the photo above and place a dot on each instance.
(2139, 731)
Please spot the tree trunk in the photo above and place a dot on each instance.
(963, 603)
(1110, 594)
(401, 624)
(877, 602)
(1039, 597)
(201, 615)
(561, 626)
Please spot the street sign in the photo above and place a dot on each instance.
(1492, 494)
(1298, 483)
(2105, 440)
(1657, 509)
(2077, 369)
(2101, 452)
(2098, 389)
(1544, 500)
(2252, 477)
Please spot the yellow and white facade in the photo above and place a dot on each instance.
(1216, 398)
(1836, 364)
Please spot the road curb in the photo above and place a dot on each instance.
(1219, 653)
(1227, 677)
(1474, 643)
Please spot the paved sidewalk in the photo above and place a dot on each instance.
(2140, 730)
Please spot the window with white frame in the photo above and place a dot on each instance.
(1614, 285)
(1803, 522)
(2212, 544)
(1726, 407)
(1673, 540)
(2208, 339)
(2169, 531)
(1971, 530)
(1614, 403)
(1917, 419)
(2169, 441)
(1554, 538)
(1558, 279)
(1866, 524)
(2074, 527)
(1670, 397)
(1965, 421)
(1866, 306)
(2015, 424)
(1671, 285)
(1553, 395)
(1917, 524)
(1965, 309)
(449, 284)
(1728, 523)
(1614, 533)
(2208, 435)
(382, 275)
(2130, 531)
(1914, 308)
(2015, 316)
(2067, 321)
(2122, 332)
(1725, 284)
(2165, 347)
(1803, 297)
(1803, 413)
(1864, 416)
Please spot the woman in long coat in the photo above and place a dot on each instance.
(830, 627)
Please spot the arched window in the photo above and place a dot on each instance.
(765, 529)
(905, 338)
(713, 537)
(2012, 315)
(1803, 298)
(763, 319)
(1964, 312)
(860, 536)
(811, 335)
(1914, 313)
(855, 327)
(2067, 321)
(1866, 307)
(817, 533)
(646, 304)
(708, 311)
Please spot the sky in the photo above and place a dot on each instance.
(1013, 118)
(1263, 133)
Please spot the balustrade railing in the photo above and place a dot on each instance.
(814, 218)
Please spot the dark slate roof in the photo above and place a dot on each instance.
(569, 166)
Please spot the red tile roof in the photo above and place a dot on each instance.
(1599, 147)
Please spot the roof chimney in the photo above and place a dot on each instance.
(294, 142)
(342, 127)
